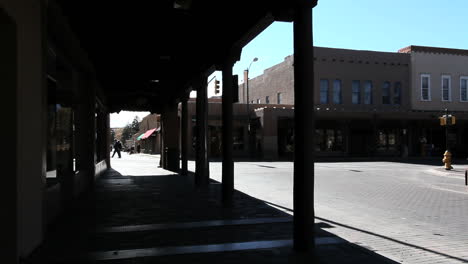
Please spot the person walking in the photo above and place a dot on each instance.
(117, 148)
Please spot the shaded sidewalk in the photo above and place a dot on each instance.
(165, 219)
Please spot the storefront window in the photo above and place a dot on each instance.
(238, 138)
(387, 139)
(328, 140)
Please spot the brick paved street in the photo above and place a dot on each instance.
(410, 213)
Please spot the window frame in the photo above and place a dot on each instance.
(449, 88)
(371, 86)
(464, 78)
(400, 91)
(389, 95)
(278, 98)
(327, 91)
(357, 93)
(428, 76)
(340, 91)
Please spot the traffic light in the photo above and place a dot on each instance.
(216, 87)
(447, 120)
(442, 121)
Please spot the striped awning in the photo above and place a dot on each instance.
(148, 133)
(140, 136)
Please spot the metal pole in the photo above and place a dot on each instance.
(248, 112)
(249, 133)
(446, 130)
(466, 177)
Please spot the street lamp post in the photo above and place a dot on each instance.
(247, 91)
(249, 134)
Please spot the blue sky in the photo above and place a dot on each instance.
(379, 25)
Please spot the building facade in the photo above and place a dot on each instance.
(439, 80)
(359, 97)
(148, 138)
(367, 104)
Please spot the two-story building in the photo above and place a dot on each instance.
(359, 96)
(367, 104)
(439, 81)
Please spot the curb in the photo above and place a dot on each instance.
(459, 173)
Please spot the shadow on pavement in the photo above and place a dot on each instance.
(165, 219)
(394, 240)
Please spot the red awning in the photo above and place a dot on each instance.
(148, 133)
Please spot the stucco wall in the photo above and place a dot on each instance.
(350, 65)
(331, 64)
(437, 64)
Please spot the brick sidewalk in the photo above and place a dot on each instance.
(164, 219)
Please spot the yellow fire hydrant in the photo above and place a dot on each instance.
(447, 160)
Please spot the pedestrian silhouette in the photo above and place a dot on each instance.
(117, 148)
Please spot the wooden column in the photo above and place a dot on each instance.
(227, 141)
(108, 140)
(171, 138)
(184, 136)
(201, 169)
(86, 129)
(304, 126)
(9, 194)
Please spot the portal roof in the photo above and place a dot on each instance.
(147, 53)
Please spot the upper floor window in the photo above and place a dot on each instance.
(367, 92)
(356, 88)
(324, 91)
(337, 91)
(259, 101)
(386, 93)
(278, 98)
(397, 93)
(425, 87)
(267, 99)
(464, 89)
(446, 89)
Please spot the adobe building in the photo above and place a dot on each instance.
(367, 104)
(439, 80)
(359, 98)
(359, 101)
(214, 150)
(148, 138)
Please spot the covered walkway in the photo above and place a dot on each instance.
(69, 64)
(135, 217)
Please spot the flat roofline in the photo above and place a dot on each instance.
(427, 49)
(356, 50)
